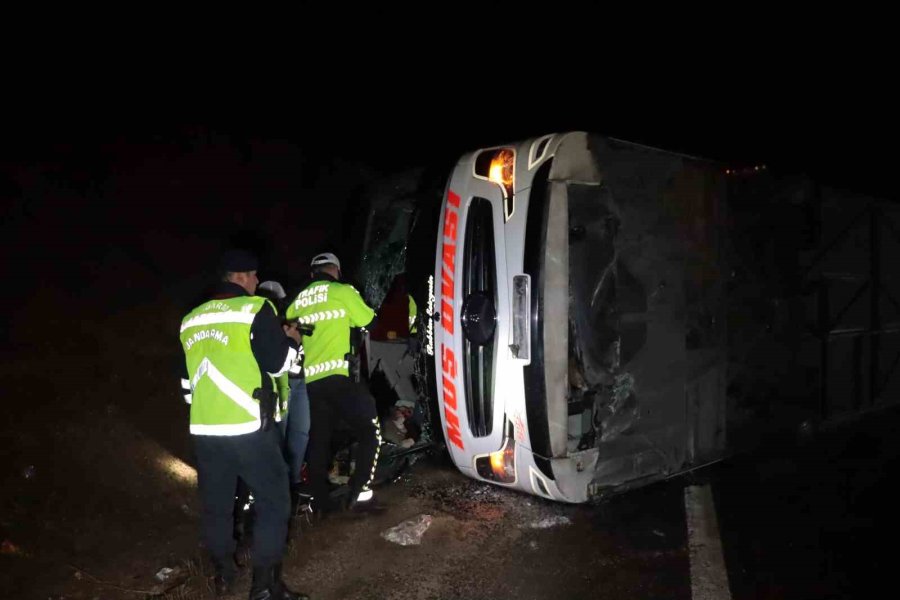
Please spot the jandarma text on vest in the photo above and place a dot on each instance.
(206, 334)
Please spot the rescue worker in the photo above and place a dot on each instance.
(334, 308)
(234, 345)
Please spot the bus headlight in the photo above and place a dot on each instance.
(499, 166)
(499, 466)
(501, 169)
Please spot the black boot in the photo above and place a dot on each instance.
(284, 592)
(223, 582)
(267, 585)
(261, 587)
(366, 507)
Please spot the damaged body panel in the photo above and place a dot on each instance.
(630, 264)
(647, 312)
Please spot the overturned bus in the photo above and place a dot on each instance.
(597, 315)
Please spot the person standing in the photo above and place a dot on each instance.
(295, 423)
(334, 308)
(234, 344)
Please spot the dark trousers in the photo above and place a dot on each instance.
(256, 458)
(330, 399)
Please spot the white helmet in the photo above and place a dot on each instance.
(274, 288)
(326, 258)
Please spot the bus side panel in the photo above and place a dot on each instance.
(645, 278)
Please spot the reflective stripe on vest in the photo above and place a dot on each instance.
(324, 315)
(234, 316)
(328, 365)
(230, 389)
(333, 308)
(216, 339)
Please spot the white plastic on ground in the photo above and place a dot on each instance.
(409, 532)
(548, 522)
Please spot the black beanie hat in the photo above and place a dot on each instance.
(237, 261)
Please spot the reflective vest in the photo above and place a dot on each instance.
(413, 313)
(283, 386)
(223, 372)
(332, 308)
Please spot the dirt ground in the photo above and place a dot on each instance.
(483, 542)
(486, 542)
(98, 494)
(94, 483)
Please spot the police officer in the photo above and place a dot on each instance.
(333, 308)
(234, 344)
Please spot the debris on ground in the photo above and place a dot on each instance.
(469, 500)
(409, 532)
(164, 574)
(548, 522)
